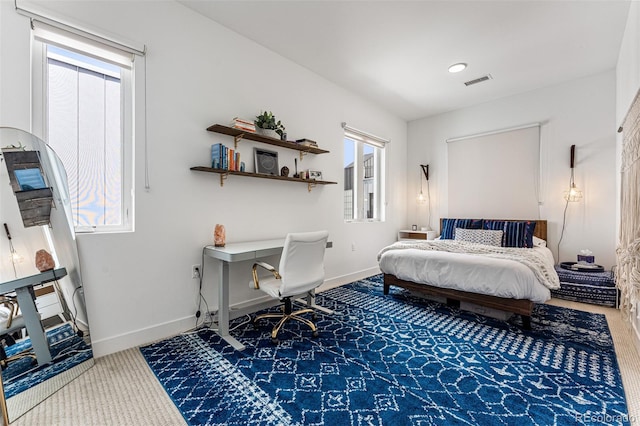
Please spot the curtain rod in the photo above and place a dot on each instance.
(44, 16)
(494, 132)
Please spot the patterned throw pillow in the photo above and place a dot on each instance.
(480, 236)
(449, 226)
(516, 234)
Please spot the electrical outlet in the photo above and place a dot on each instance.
(195, 271)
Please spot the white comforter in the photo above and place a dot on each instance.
(516, 273)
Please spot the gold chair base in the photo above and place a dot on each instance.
(284, 317)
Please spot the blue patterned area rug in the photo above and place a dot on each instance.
(398, 360)
(67, 351)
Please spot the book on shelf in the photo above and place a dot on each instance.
(219, 155)
(306, 142)
(242, 124)
(224, 158)
(216, 156)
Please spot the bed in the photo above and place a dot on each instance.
(499, 264)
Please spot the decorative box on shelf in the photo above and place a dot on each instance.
(596, 287)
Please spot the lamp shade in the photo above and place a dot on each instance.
(573, 194)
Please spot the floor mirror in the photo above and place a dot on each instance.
(44, 331)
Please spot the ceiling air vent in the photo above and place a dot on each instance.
(478, 80)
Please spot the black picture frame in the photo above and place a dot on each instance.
(266, 162)
(315, 174)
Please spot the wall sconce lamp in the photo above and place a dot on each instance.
(573, 194)
(422, 199)
(425, 170)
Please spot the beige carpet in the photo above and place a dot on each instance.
(121, 389)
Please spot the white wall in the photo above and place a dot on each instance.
(580, 112)
(627, 85)
(138, 285)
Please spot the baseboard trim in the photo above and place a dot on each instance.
(348, 278)
(167, 329)
(142, 336)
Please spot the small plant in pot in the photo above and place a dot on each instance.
(270, 127)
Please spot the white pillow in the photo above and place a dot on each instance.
(539, 242)
(480, 236)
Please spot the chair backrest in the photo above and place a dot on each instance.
(302, 262)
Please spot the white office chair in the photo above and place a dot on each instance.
(300, 272)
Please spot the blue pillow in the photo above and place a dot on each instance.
(516, 234)
(449, 226)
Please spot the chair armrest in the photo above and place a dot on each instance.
(12, 306)
(256, 283)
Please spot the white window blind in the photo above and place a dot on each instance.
(84, 128)
(495, 175)
(365, 137)
(81, 44)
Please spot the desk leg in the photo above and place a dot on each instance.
(33, 325)
(223, 307)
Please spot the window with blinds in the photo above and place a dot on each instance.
(87, 99)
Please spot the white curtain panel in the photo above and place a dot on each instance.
(628, 251)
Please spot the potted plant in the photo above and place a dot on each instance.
(269, 126)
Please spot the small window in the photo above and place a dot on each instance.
(363, 176)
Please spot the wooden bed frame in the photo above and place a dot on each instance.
(522, 307)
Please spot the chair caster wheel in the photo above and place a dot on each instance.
(275, 340)
(315, 333)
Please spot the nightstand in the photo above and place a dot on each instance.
(597, 288)
(406, 234)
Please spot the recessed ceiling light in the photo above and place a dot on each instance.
(457, 67)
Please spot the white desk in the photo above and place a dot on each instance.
(239, 252)
(236, 252)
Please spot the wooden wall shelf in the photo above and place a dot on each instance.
(239, 134)
(224, 173)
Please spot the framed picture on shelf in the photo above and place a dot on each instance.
(266, 162)
(315, 175)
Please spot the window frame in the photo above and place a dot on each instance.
(40, 119)
(360, 139)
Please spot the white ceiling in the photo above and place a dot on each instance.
(396, 53)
